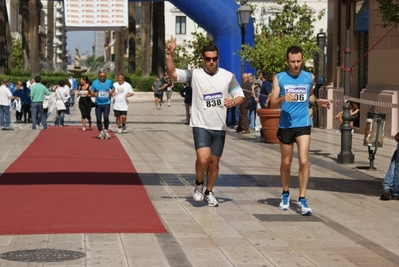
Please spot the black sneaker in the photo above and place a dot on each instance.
(386, 195)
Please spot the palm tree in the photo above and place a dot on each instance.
(158, 38)
(50, 33)
(131, 61)
(3, 15)
(34, 37)
(25, 34)
(145, 34)
(119, 51)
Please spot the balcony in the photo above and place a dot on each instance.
(58, 34)
(59, 16)
(59, 51)
(59, 24)
(59, 61)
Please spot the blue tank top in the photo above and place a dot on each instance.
(295, 114)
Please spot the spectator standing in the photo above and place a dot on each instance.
(26, 109)
(19, 92)
(74, 87)
(390, 184)
(123, 90)
(38, 91)
(5, 97)
(67, 86)
(169, 90)
(102, 89)
(62, 93)
(243, 127)
(187, 93)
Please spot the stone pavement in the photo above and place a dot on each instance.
(350, 225)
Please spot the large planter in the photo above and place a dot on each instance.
(269, 119)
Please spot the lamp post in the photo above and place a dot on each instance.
(346, 155)
(243, 15)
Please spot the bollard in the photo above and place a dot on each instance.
(374, 135)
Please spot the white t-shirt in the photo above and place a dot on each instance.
(120, 102)
(5, 96)
(209, 91)
(62, 92)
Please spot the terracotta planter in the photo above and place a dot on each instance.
(269, 119)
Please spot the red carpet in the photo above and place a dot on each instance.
(68, 181)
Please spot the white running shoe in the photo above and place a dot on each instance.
(285, 201)
(211, 200)
(305, 210)
(101, 135)
(124, 129)
(106, 135)
(119, 130)
(198, 192)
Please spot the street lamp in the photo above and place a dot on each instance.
(243, 15)
(346, 155)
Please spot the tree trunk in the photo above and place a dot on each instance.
(119, 52)
(131, 62)
(145, 33)
(10, 62)
(50, 34)
(34, 37)
(158, 38)
(3, 14)
(25, 34)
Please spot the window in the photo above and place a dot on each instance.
(180, 24)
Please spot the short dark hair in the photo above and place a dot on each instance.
(208, 48)
(38, 79)
(61, 83)
(294, 49)
(6, 81)
(265, 74)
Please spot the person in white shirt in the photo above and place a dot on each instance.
(211, 87)
(5, 97)
(123, 90)
(62, 93)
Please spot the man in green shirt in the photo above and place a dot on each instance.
(37, 92)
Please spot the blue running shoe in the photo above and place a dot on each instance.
(285, 201)
(305, 210)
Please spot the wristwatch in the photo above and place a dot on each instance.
(233, 103)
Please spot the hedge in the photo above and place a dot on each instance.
(140, 84)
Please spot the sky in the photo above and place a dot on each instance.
(83, 40)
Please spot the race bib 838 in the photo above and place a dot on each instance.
(213, 100)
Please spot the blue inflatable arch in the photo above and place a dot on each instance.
(218, 18)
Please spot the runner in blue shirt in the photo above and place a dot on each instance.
(102, 88)
(292, 91)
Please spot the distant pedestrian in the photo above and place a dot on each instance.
(187, 93)
(123, 90)
(102, 89)
(390, 184)
(5, 97)
(85, 102)
(157, 87)
(38, 91)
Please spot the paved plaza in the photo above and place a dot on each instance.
(350, 226)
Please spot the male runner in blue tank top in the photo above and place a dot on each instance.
(292, 91)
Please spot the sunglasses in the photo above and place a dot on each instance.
(208, 59)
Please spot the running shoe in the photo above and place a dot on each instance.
(119, 130)
(285, 201)
(198, 194)
(211, 201)
(89, 124)
(305, 210)
(83, 129)
(101, 135)
(106, 135)
(124, 129)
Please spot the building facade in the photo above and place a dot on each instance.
(373, 56)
